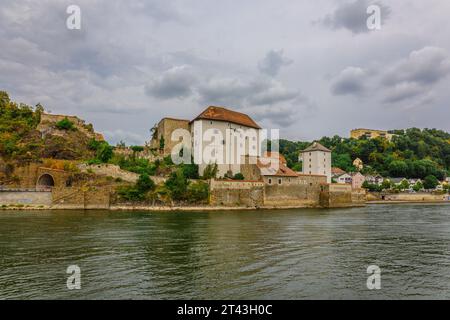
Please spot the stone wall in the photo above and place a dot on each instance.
(341, 195)
(415, 197)
(111, 170)
(301, 191)
(25, 198)
(236, 193)
(81, 198)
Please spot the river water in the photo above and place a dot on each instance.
(286, 254)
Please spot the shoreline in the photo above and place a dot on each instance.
(168, 209)
(408, 202)
(20, 207)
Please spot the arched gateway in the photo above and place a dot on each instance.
(45, 181)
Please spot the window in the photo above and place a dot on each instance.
(210, 122)
(279, 181)
(270, 181)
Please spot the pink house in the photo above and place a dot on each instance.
(357, 180)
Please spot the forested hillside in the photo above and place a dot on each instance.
(412, 153)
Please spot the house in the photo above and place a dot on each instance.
(233, 135)
(377, 179)
(357, 180)
(335, 171)
(316, 160)
(370, 134)
(217, 135)
(358, 164)
(344, 178)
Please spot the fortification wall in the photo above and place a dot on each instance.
(25, 198)
(302, 191)
(81, 198)
(236, 193)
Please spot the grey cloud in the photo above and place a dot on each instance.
(286, 114)
(238, 92)
(425, 66)
(402, 91)
(176, 82)
(353, 16)
(349, 81)
(272, 62)
(413, 76)
(121, 135)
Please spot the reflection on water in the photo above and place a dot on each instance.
(289, 254)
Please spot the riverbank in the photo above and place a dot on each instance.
(408, 202)
(166, 208)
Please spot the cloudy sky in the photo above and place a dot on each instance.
(310, 68)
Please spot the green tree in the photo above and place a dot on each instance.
(177, 184)
(144, 183)
(418, 186)
(210, 171)
(430, 182)
(161, 143)
(104, 152)
(386, 184)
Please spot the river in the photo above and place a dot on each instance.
(285, 254)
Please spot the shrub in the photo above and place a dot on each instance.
(177, 185)
(190, 171)
(238, 176)
(65, 124)
(144, 183)
(210, 171)
(198, 192)
(104, 152)
(430, 182)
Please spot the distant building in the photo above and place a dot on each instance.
(357, 180)
(370, 134)
(316, 160)
(377, 179)
(335, 172)
(344, 178)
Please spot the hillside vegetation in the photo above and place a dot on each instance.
(21, 141)
(412, 153)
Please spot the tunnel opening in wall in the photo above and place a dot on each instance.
(45, 181)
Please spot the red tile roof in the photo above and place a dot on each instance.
(223, 114)
(283, 171)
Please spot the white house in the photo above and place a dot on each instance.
(344, 178)
(316, 160)
(223, 136)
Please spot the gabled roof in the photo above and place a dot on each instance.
(337, 171)
(223, 114)
(316, 146)
(283, 171)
